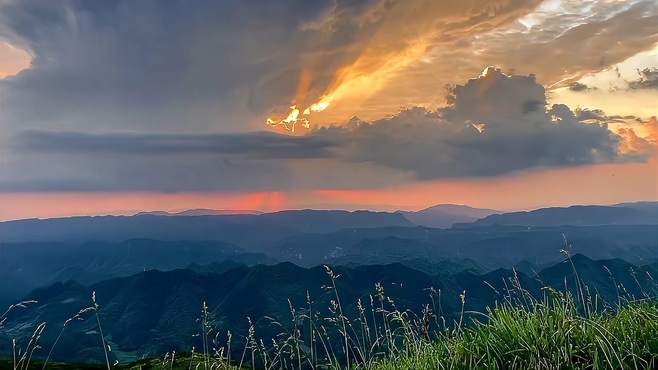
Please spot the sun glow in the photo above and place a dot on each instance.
(295, 116)
(351, 86)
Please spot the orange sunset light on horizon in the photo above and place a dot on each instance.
(598, 184)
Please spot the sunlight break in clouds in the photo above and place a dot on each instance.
(116, 100)
(494, 124)
(387, 44)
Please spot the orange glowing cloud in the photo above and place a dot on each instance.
(12, 60)
(388, 38)
(296, 115)
(639, 140)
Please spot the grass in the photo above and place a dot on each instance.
(551, 335)
(560, 330)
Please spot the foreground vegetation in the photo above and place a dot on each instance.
(546, 336)
(570, 329)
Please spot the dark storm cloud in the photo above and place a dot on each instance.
(104, 172)
(180, 75)
(147, 65)
(256, 145)
(205, 65)
(73, 161)
(487, 130)
(494, 124)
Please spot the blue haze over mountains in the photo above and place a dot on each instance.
(176, 261)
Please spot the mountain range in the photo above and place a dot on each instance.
(153, 312)
(25, 266)
(237, 229)
(641, 213)
(151, 272)
(37, 252)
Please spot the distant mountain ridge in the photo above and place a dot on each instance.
(446, 215)
(646, 205)
(201, 212)
(645, 213)
(91, 247)
(237, 228)
(208, 224)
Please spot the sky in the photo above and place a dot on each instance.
(114, 107)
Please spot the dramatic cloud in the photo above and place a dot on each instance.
(172, 96)
(494, 124)
(214, 65)
(217, 65)
(560, 42)
(257, 145)
(581, 37)
(635, 144)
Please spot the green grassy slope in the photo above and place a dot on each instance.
(555, 333)
(551, 336)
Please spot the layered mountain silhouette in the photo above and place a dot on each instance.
(428, 250)
(253, 229)
(644, 213)
(446, 215)
(154, 312)
(24, 266)
(489, 247)
(91, 249)
(237, 229)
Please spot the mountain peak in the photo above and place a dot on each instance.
(445, 215)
